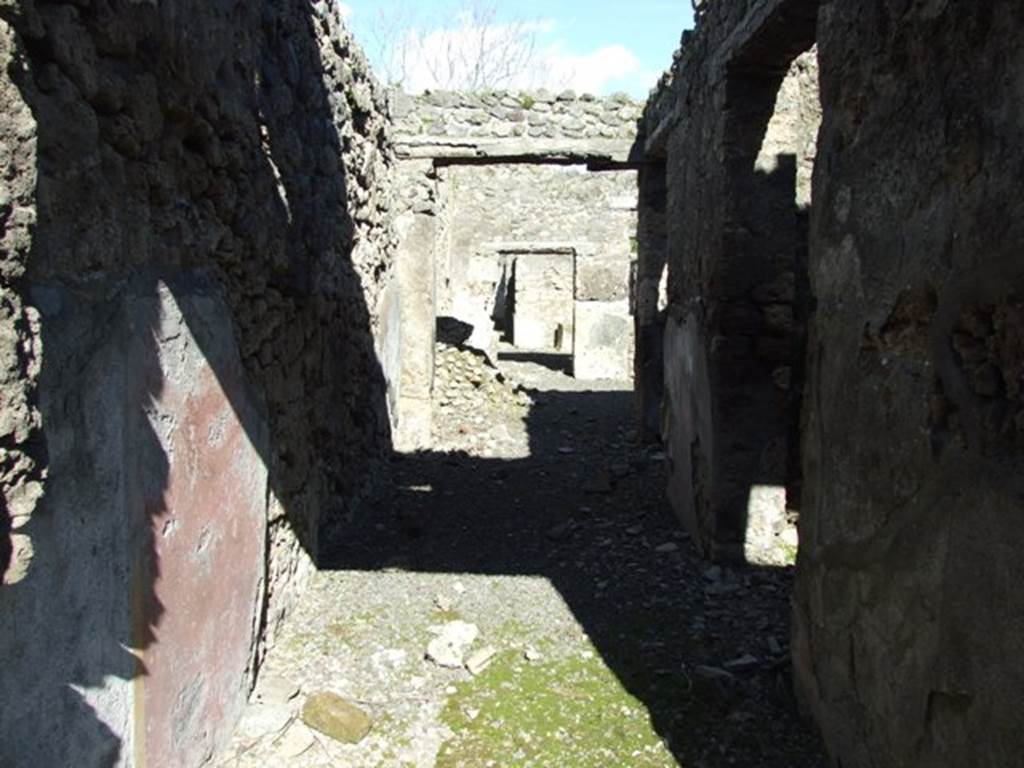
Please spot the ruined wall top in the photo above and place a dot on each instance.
(763, 34)
(537, 124)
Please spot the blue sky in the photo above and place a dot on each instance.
(590, 45)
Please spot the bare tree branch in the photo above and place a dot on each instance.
(475, 49)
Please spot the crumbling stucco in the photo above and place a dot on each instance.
(194, 326)
(902, 455)
(214, 310)
(908, 614)
(738, 161)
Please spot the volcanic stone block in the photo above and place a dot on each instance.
(336, 717)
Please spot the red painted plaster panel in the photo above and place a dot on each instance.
(209, 550)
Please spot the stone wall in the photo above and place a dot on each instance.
(533, 126)
(910, 620)
(500, 213)
(736, 126)
(906, 640)
(650, 289)
(420, 230)
(490, 177)
(198, 323)
(504, 114)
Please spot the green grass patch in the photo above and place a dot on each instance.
(447, 616)
(572, 712)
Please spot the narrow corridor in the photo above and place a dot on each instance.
(538, 520)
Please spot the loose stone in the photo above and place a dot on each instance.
(296, 740)
(481, 659)
(449, 648)
(275, 690)
(336, 717)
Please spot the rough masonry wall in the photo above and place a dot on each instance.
(504, 115)
(498, 209)
(736, 124)
(196, 297)
(650, 289)
(910, 642)
(907, 633)
(485, 175)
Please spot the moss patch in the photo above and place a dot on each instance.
(789, 553)
(572, 712)
(447, 616)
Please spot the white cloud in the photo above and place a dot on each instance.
(591, 72)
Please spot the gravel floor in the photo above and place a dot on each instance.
(538, 520)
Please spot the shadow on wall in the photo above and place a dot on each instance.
(649, 291)
(6, 548)
(207, 348)
(552, 361)
(734, 370)
(757, 296)
(651, 615)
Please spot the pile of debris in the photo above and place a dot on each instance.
(477, 409)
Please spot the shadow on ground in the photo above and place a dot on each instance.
(704, 651)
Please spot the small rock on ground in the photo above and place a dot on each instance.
(336, 717)
(449, 648)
